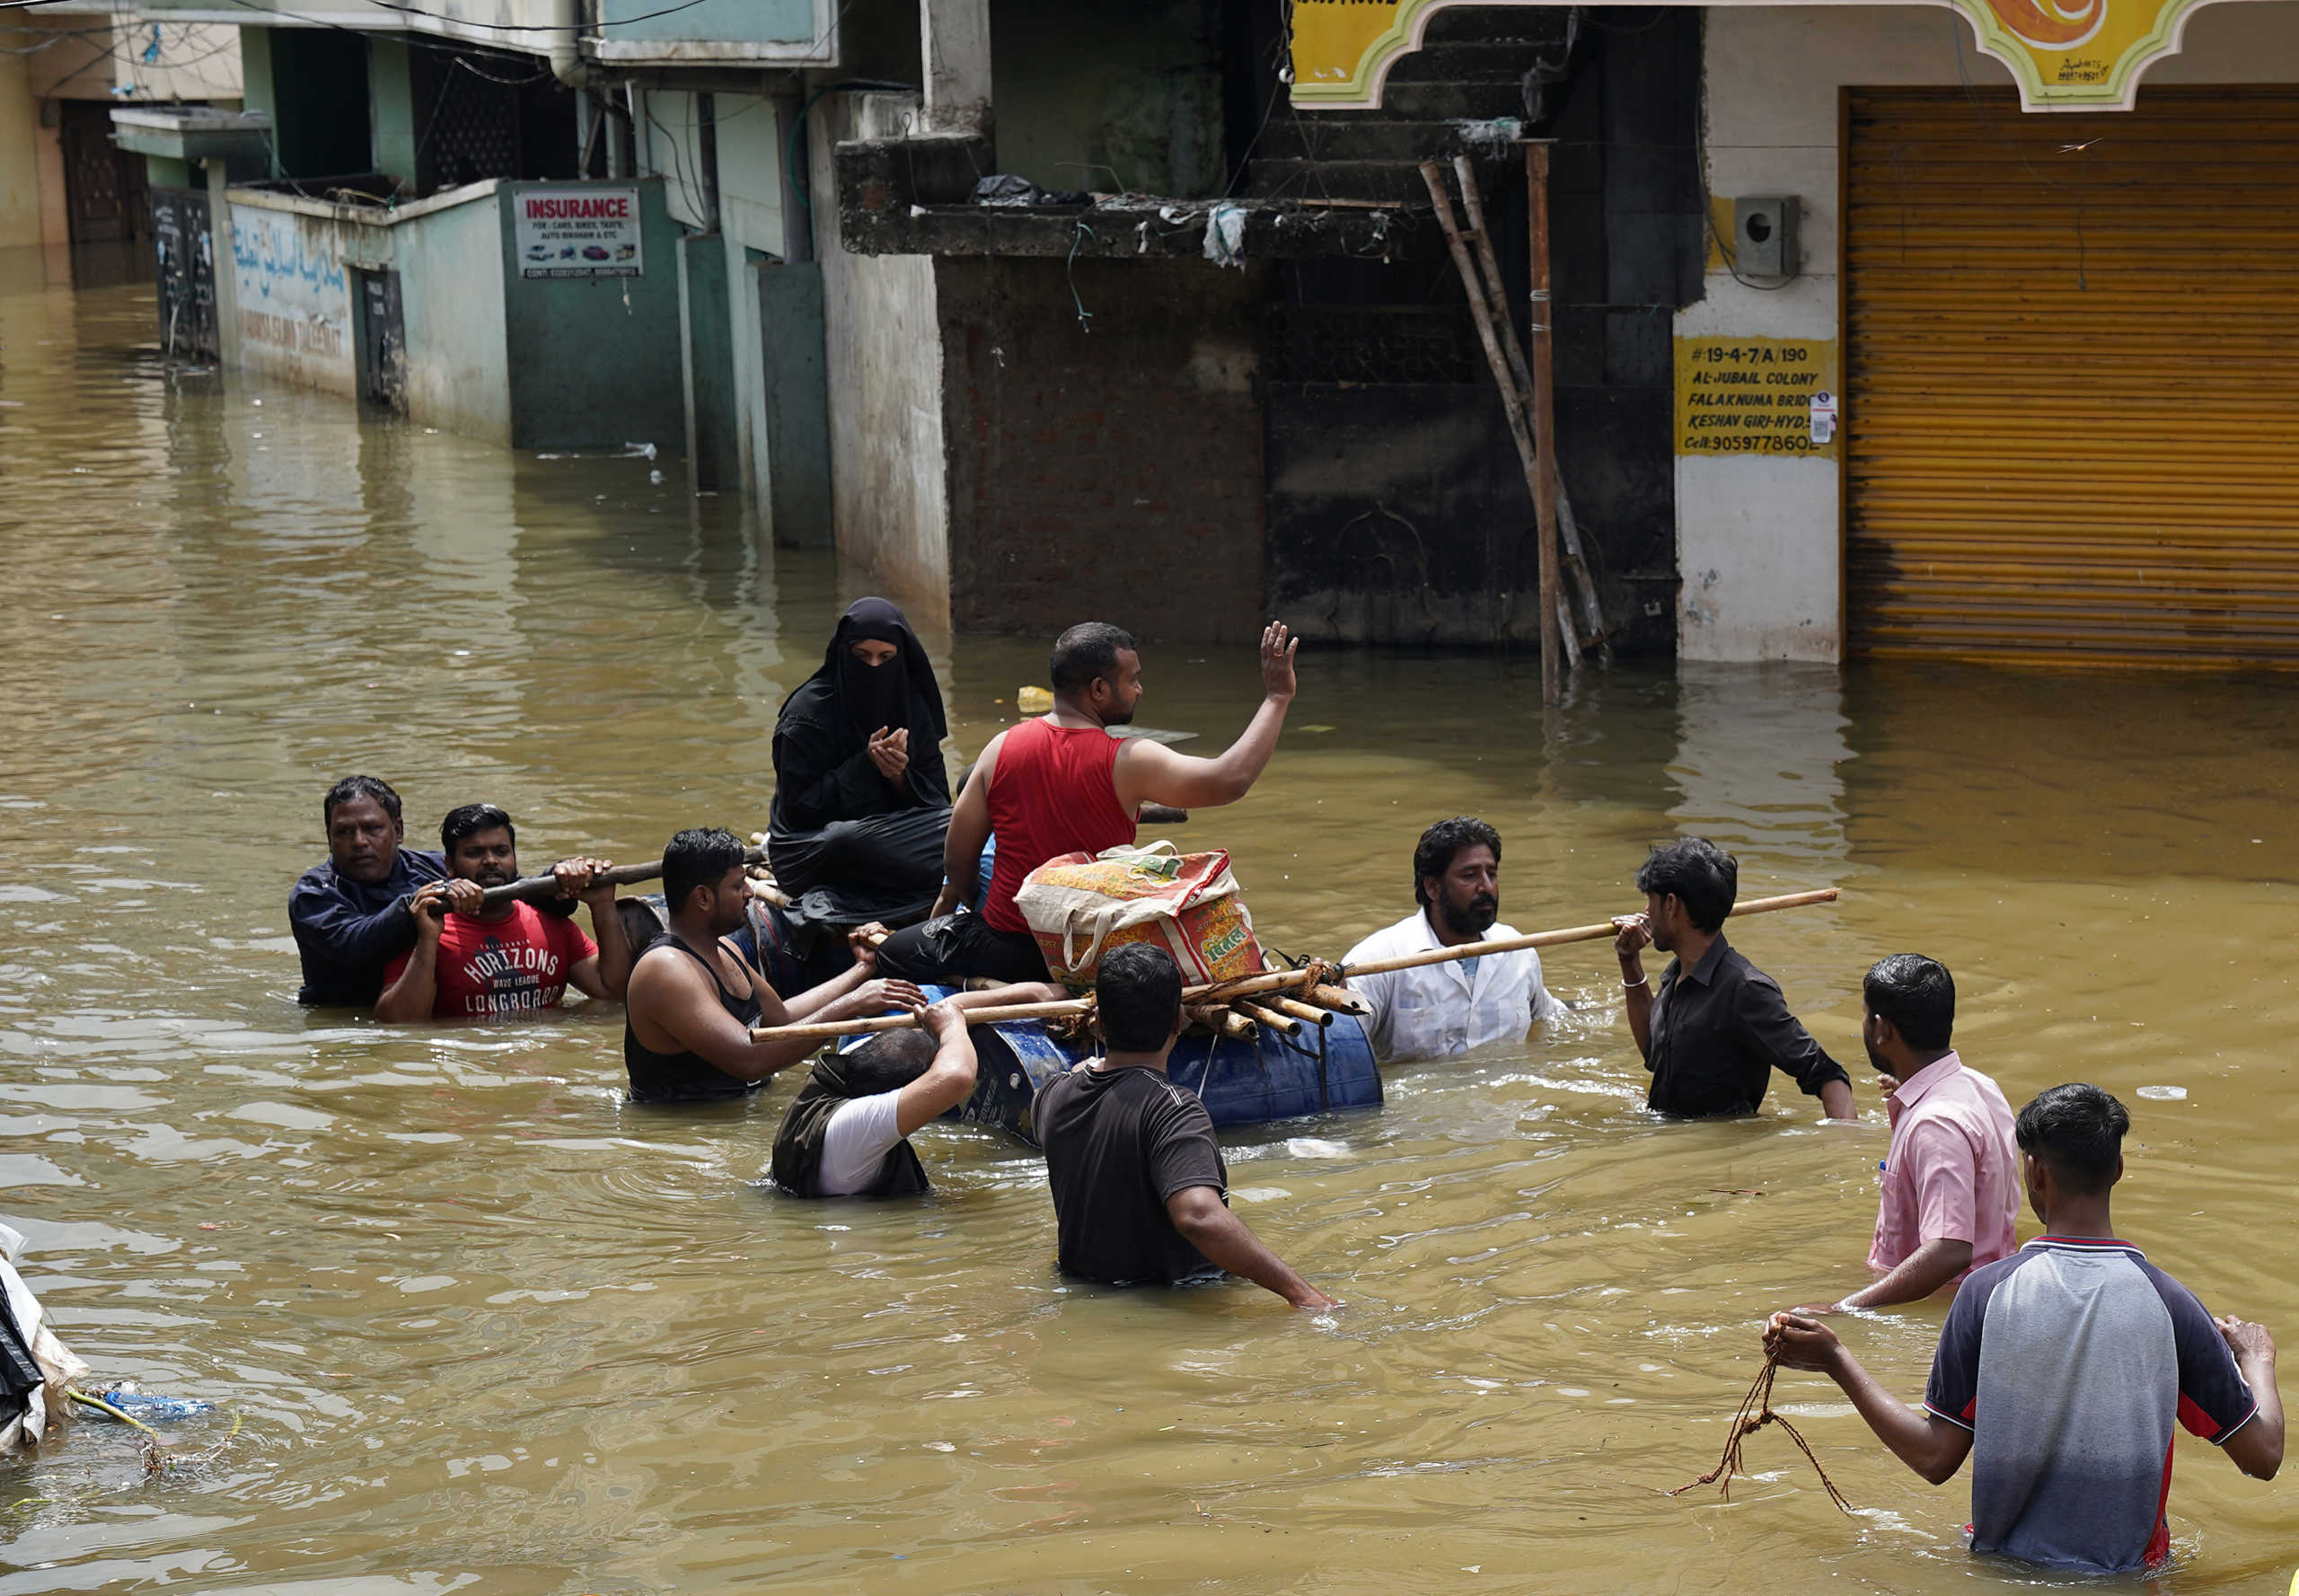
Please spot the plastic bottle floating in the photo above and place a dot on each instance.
(149, 1405)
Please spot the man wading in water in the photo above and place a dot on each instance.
(470, 962)
(1718, 1028)
(1139, 1185)
(686, 1034)
(2063, 1368)
(350, 914)
(848, 1132)
(1451, 1008)
(1061, 784)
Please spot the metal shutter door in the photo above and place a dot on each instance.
(2073, 377)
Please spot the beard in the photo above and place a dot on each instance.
(1473, 919)
(1119, 717)
(493, 874)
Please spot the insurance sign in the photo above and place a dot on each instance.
(569, 232)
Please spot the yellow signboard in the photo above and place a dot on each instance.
(1757, 396)
(2067, 55)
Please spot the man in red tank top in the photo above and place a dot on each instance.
(1065, 783)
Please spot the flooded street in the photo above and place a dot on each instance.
(485, 1326)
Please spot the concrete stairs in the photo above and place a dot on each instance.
(1478, 64)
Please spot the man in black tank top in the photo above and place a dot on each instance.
(686, 1034)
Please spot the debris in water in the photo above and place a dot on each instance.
(2163, 1093)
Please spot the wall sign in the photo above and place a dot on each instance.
(577, 233)
(1756, 396)
(2066, 55)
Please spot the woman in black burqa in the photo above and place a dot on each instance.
(861, 799)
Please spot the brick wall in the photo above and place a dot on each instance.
(1111, 471)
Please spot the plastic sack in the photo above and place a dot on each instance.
(1081, 905)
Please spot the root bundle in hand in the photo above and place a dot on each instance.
(1754, 1414)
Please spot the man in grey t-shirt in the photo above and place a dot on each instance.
(2063, 1368)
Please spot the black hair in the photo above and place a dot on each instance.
(469, 821)
(2078, 1129)
(1138, 993)
(698, 857)
(1086, 654)
(1917, 995)
(358, 787)
(1700, 876)
(1442, 843)
(888, 1062)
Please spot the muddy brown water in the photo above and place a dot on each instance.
(484, 1325)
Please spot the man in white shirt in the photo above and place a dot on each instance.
(1438, 1009)
(848, 1132)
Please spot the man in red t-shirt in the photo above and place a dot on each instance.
(469, 963)
(1065, 783)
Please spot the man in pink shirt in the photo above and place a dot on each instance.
(1950, 1186)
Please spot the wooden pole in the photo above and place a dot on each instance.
(1223, 993)
(527, 888)
(1544, 416)
(1578, 934)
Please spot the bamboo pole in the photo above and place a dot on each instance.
(1271, 1018)
(1544, 415)
(528, 887)
(1228, 992)
(1307, 1012)
(1579, 933)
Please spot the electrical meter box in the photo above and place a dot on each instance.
(1764, 236)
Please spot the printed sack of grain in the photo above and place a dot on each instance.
(1081, 905)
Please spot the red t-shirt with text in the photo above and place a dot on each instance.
(502, 967)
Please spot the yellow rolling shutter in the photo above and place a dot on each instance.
(2072, 353)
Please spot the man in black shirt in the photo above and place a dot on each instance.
(1718, 1028)
(1140, 1190)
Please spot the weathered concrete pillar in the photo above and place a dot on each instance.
(955, 38)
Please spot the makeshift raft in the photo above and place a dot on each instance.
(1241, 1081)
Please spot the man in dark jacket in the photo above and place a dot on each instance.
(350, 914)
(848, 1132)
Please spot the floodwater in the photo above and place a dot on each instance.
(480, 1325)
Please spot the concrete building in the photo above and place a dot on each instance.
(2016, 389)
(73, 207)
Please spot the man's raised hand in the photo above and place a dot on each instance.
(1277, 651)
(1634, 934)
(464, 897)
(878, 995)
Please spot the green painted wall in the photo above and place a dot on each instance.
(797, 402)
(595, 362)
(713, 438)
(1083, 92)
(391, 97)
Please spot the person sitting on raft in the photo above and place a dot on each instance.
(471, 961)
(1718, 1027)
(861, 798)
(687, 1017)
(1140, 1195)
(2062, 1368)
(1063, 784)
(848, 1132)
(350, 914)
(1436, 1009)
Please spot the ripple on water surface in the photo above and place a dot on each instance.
(482, 1323)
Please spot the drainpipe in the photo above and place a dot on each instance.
(565, 53)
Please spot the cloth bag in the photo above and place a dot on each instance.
(1081, 905)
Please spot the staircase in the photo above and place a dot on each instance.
(1478, 66)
